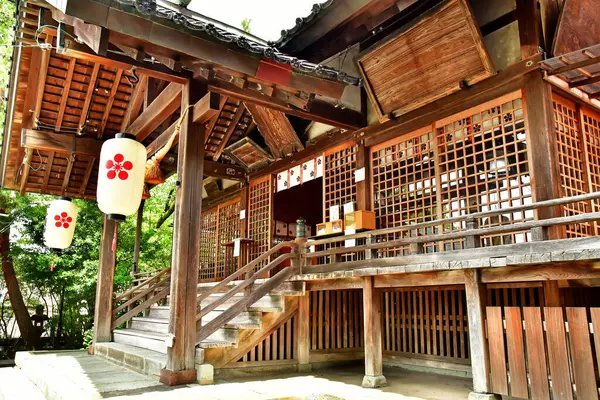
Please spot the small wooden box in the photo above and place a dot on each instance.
(360, 220)
(324, 228)
(337, 226)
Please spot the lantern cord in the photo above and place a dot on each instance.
(52, 265)
(114, 242)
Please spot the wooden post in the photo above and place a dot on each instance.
(551, 294)
(138, 238)
(373, 345)
(363, 188)
(304, 333)
(476, 297)
(542, 152)
(104, 286)
(180, 368)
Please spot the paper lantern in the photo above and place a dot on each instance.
(121, 176)
(60, 223)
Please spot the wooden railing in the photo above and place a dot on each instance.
(250, 296)
(140, 297)
(376, 248)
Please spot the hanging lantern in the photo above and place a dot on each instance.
(60, 223)
(121, 176)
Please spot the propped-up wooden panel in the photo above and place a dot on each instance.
(248, 153)
(435, 56)
(277, 130)
(578, 26)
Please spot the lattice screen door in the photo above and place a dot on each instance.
(260, 216)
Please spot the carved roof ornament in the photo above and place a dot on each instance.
(151, 8)
(287, 34)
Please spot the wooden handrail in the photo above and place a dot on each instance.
(246, 268)
(462, 218)
(141, 307)
(137, 287)
(238, 288)
(208, 329)
(159, 284)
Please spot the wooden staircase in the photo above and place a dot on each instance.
(232, 315)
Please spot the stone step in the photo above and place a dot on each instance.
(159, 312)
(229, 335)
(268, 303)
(159, 325)
(294, 288)
(146, 340)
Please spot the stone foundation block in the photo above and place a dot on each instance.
(205, 374)
(484, 396)
(374, 381)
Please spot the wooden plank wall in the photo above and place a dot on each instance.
(544, 351)
(336, 320)
(278, 347)
(426, 322)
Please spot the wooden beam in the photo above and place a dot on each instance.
(105, 284)
(551, 294)
(204, 110)
(430, 278)
(583, 82)
(530, 27)
(165, 104)
(504, 82)
(303, 332)
(25, 172)
(227, 171)
(320, 111)
(60, 143)
(476, 295)
(230, 129)
(65, 95)
(87, 174)
(67, 177)
(41, 82)
(335, 284)
(135, 53)
(277, 130)
(110, 101)
(48, 170)
(555, 271)
(88, 97)
(373, 339)
(180, 366)
(576, 65)
(135, 102)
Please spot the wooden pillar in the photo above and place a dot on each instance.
(363, 188)
(542, 147)
(138, 238)
(476, 301)
(104, 286)
(180, 368)
(551, 294)
(530, 27)
(304, 333)
(373, 341)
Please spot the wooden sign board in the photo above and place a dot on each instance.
(431, 58)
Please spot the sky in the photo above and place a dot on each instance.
(268, 17)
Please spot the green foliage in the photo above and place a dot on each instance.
(246, 25)
(88, 337)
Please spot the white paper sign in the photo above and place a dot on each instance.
(319, 167)
(236, 247)
(350, 242)
(242, 214)
(308, 171)
(295, 176)
(359, 174)
(348, 207)
(282, 181)
(334, 213)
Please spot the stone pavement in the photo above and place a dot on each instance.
(76, 375)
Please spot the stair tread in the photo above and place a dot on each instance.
(134, 350)
(215, 343)
(136, 332)
(151, 319)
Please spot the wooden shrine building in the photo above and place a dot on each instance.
(404, 182)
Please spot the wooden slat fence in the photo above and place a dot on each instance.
(278, 346)
(428, 322)
(544, 353)
(336, 320)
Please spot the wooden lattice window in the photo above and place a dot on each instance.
(427, 322)
(404, 185)
(339, 185)
(279, 345)
(208, 244)
(260, 211)
(229, 229)
(336, 320)
(571, 162)
(591, 130)
(483, 166)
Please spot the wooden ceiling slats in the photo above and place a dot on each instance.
(65, 95)
(109, 101)
(88, 95)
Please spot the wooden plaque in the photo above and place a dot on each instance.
(428, 59)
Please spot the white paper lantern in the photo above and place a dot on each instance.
(60, 223)
(121, 176)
